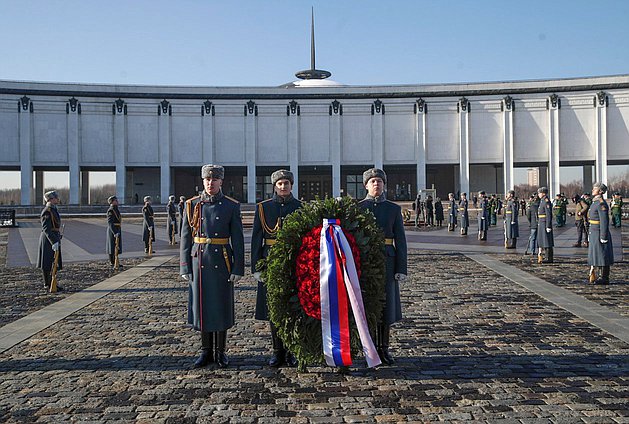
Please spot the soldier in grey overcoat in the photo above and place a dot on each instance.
(114, 230)
(268, 219)
(148, 224)
(483, 215)
(600, 249)
(212, 260)
(389, 219)
(545, 239)
(50, 238)
(452, 212)
(171, 222)
(465, 217)
(531, 216)
(512, 228)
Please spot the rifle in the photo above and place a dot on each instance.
(150, 241)
(55, 264)
(117, 247)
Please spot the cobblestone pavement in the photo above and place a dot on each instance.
(473, 347)
(572, 274)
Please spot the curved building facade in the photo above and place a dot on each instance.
(457, 137)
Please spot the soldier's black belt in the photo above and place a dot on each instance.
(203, 240)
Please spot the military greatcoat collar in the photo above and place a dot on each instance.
(376, 199)
(282, 200)
(205, 197)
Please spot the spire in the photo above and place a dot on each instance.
(313, 72)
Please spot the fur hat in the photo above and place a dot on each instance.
(171, 198)
(213, 171)
(51, 195)
(542, 190)
(282, 174)
(374, 173)
(111, 199)
(147, 199)
(602, 187)
(182, 198)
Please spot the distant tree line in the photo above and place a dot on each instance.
(98, 195)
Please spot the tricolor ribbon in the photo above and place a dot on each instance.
(338, 281)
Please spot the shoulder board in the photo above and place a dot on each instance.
(601, 201)
(394, 204)
(45, 210)
(232, 199)
(190, 200)
(264, 201)
(361, 201)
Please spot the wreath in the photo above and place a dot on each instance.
(291, 273)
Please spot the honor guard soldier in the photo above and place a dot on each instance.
(557, 211)
(465, 217)
(512, 227)
(212, 260)
(180, 208)
(50, 238)
(493, 210)
(389, 219)
(531, 216)
(617, 210)
(114, 230)
(452, 212)
(148, 224)
(483, 215)
(171, 224)
(600, 250)
(581, 221)
(267, 221)
(545, 239)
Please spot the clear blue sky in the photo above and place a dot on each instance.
(263, 43)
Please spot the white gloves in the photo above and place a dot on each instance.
(117, 235)
(400, 277)
(186, 277)
(55, 247)
(235, 278)
(258, 277)
(174, 222)
(548, 230)
(603, 241)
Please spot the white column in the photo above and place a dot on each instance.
(207, 132)
(293, 144)
(163, 126)
(120, 149)
(507, 134)
(554, 104)
(420, 143)
(601, 137)
(26, 164)
(336, 128)
(250, 149)
(377, 133)
(73, 151)
(464, 145)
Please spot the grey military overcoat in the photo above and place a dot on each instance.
(599, 253)
(147, 223)
(50, 226)
(463, 213)
(545, 238)
(114, 226)
(512, 228)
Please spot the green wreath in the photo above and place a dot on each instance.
(301, 332)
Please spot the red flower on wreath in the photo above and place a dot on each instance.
(307, 270)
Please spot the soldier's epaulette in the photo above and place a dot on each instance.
(264, 201)
(232, 199)
(45, 211)
(601, 200)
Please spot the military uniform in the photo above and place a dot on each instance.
(557, 211)
(493, 210)
(439, 212)
(545, 239)
(483, 217)
(465, 217)
(512, 227)
(50, 236)
(171, 224)
(617, 210)
(580, 221)
(600, 250)
(389, 219)
(212, 251)
(452, 213)
(114, 230)
(148, 224)
(531, 216)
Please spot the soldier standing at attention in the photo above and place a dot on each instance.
(600, 250)
(438, 212)
(483, 215)
(452, 212)
(212, 260)
(580, 220)
(493, 210)
(389, 219)
(512, 228)
(114, 230)
(268, 220)
(180, 208)
(557, 211)
(148, 224)
(50, 238)
(171, 225)
(531, 216)
(545, 239)
(617, 210)
(465, 217)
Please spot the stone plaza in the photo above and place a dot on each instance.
(488, 336)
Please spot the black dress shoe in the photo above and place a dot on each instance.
(277, 360)
(204, 359)
(222, 360)
(291, 361)
(386, 357)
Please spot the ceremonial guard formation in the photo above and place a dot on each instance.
(389, 219)
(171, 223)
(531, 216)
(483, 215)
(114, 232)
(212, 260)
(267, 221)
(465, 217)
(49, 253)
(452, 212)
(600, 250)
(617, 210)
(545, 240)
(512, 228)
(148, 226)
